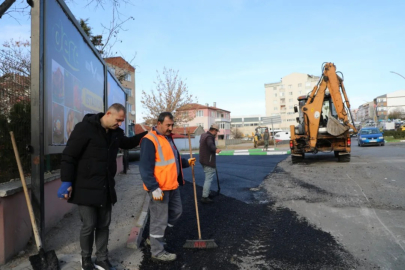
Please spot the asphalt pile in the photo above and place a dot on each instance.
(249, 236)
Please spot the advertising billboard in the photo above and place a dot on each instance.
(74, 77)
(115, 94)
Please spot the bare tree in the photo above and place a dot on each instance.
(236, 134)
(171, 93)
(397, 113)
(9, 6)
(15, 70)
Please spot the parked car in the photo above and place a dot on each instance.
(282, 136)
(370, 136)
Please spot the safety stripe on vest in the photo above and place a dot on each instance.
(163, 162)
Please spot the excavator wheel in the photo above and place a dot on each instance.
(344, 158)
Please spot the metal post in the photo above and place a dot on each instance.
(274, 139)
(37, 114)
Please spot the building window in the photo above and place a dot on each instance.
(200, 113)
(282, 86)
(275, 101)
(289, 86)
(127, 77)
(212, 113)
(308, 84)
(129, 107)
(275, 108)
(281, 94)
(290, 100)
(275, 88)
(275, 95)
(300, 85)
(299, 92)
(128, 91)
(291, 106)
(290, 93)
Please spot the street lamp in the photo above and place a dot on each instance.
(397, 74)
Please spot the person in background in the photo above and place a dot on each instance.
(161, 169)
(266, 138)
(207, 158)
(88, 168)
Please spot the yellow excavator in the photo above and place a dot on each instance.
(323, 122)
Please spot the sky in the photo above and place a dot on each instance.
(227, 50)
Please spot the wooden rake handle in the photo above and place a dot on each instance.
(195, 191)
(27, 196)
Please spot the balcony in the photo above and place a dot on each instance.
(217, 120)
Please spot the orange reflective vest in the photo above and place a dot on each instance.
(165, 164)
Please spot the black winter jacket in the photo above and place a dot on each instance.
(89, 162)
(208, 149)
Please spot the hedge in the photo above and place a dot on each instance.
(396, 134)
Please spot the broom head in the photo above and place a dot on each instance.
(201, 244)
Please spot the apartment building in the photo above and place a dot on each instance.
(280, 97)
(125, 73)
(390, 102)
(366, 112)
(205, 116)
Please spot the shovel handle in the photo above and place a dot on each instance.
(27, 196)
(195, 191)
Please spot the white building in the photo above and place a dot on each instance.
(280, 97)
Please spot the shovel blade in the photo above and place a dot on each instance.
(334, 127)
(45, 261)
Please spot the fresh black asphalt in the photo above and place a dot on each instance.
(248, 229)
(236, 174)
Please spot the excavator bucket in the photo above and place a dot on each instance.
(334, 127)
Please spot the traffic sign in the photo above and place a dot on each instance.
(271, 119)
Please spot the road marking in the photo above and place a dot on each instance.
(375, 213)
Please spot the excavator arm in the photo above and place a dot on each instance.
(313, 108)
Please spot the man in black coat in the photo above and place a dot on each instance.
(88, 169)
(207, 158)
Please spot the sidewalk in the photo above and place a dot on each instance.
(64, 237)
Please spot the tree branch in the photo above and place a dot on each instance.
(5, 6)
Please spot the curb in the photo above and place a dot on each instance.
(135, 236)
(253, 152)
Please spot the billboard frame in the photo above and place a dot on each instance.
(39, 99)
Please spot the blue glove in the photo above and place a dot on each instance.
(63, 190)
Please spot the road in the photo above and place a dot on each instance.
(317, 214)
(251, 231)
(361, 203)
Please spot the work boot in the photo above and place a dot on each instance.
(164, 256)
(87, 263)
(104, 265)
(206, 200)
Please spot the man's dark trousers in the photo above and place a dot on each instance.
(96, 222)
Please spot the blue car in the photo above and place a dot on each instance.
(370, 136)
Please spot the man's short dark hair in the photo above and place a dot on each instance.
(117, 107)
(163, 115)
